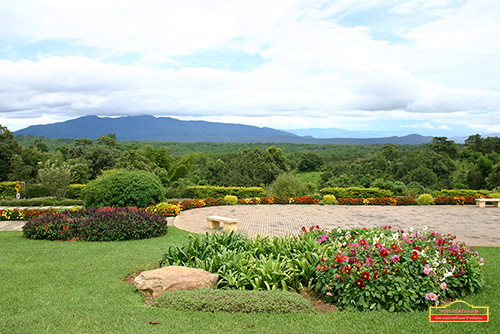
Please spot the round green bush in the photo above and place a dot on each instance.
(96, 224)
(121, 189)
(494, 195)
(231, 200)
(425, 199)
(329, 199)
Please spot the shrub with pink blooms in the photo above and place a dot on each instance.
(374, 269)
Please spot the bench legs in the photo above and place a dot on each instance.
(228, 226)
(482, 204)
(231, 226)
(496, 204)
(213, 224)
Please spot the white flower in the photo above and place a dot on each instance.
(411, 229)
(444, 260)
(395, 236)
(424, 228)
(436, 264)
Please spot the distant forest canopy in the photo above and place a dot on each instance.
(404, 169)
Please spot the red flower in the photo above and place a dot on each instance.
(414, 257)
(348, 270)
(359, 282)
(394, 246)
(362, 242)
(365, 276)
(384, 252)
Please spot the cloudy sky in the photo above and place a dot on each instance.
(408, 66)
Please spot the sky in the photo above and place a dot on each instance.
(379, 66)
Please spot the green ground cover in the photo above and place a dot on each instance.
(314, 177)
(79, 287)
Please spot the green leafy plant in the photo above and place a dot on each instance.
(231, 200)
(329, 199)
(121, 189)
(259, 264)
(425, 199)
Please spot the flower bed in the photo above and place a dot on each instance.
(22, 214)
(355, 269)
(395, 270)
(96, 224)
(377, 201)
(455, 200)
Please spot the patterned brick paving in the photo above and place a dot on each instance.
(475, 226)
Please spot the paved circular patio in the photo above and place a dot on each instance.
(475, 226)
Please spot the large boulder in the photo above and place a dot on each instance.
(153, 283)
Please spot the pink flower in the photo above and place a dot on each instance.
(395, 259)
(427, 270)
(431, 296)
(329, 294)
(443, 286)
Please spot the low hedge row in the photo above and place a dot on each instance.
(215, 192)
(460, 192)
(356, 192)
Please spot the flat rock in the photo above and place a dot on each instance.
(153, 283)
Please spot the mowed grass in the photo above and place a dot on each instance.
(78, 287)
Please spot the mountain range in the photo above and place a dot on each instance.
(135, 128)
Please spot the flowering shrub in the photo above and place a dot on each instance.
(395, 270)
(96, 224)
(377, 201)
(164, 209)
(454, 200)
(22, 214)
(280, 200)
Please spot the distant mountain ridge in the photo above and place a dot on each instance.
(135, 128)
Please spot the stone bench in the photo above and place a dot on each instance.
(481, 202)
(230, 224)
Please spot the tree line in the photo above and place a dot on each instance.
(404, 169)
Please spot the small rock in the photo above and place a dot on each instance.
(153, 283)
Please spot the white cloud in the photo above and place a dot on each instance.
(315, 69)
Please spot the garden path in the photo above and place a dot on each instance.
(475, 226)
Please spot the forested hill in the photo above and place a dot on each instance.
(170, 129)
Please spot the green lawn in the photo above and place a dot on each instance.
(78, 287)
(314, 177)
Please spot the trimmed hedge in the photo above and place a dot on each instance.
(460, 192)
(231, 301)
(216, 192)
(356, 192)
(75, 191)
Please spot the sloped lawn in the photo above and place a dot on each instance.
(79, 287)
